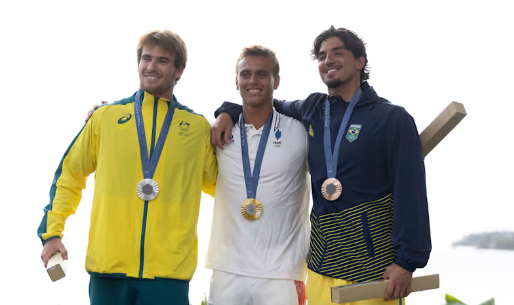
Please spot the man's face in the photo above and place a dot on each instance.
(337, 65)
(157, 72)
(255, 80)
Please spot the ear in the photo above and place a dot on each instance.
(361, 62)
(237, 84)
(277, 82)
(179, 71)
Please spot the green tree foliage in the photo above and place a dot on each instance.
(454, 301)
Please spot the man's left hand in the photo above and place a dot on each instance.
(90, 112)
(399, 282)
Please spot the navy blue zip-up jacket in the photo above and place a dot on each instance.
(382, 215)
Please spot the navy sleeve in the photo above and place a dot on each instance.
(411, 226)
(291, 109)
(234, 110)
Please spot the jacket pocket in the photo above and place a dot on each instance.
(367, 234)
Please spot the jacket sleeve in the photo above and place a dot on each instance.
(291, 109)
(234, 110)
(210, 170)
(78, 162)
(411, 226)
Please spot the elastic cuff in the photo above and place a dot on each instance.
(403, 263)
(50, 238)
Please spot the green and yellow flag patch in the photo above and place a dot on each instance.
(353, 132)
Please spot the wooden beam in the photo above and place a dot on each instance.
(377, 289)
(441, 126)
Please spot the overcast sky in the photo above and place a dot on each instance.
(62, 57)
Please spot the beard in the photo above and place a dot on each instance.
(334, 83)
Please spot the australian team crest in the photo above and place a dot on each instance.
(353, 132)
(183, 128)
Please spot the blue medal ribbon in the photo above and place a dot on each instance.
(253, 180)
(149, 165)
(331, 158)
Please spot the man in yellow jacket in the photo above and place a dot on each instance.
(152, 158)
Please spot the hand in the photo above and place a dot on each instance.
(221, 130)
(399, 282)
(90, 112)
(51, 247)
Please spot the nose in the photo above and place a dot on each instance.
(253, 79)
(151, 65)
(329, 59)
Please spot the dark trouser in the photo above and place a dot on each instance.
(133, 291)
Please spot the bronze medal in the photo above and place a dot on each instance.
(331, 189)
(251, 209)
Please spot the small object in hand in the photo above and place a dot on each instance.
(56, 267)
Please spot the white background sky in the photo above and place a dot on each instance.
(61, 57)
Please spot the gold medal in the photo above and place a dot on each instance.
(251, 209)
(331, 189)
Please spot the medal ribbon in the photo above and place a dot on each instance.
(150, 165)
(253, 180)
(331, 159)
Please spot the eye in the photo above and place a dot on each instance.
(321, 57)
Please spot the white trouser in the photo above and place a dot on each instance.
(232, 289)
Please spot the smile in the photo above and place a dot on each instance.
(254, 91)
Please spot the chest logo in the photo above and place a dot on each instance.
(183, 129)
(125, 118)
(353, 132)
(311, 132)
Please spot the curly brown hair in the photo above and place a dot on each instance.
(352, 42)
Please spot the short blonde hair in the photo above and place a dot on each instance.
(260, 51)
(168, 41)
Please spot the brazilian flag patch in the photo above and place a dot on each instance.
(353, 132)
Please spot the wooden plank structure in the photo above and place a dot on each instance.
(377, 289)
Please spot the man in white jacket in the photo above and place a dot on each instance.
(260, 228)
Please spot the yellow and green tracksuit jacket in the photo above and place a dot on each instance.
(128, 236)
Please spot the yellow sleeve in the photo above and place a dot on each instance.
(210, 170)
(77, 164)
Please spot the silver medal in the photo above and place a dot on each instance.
(147, 189)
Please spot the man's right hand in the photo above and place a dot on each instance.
(221, 130)
(51, 247)
(90, 112)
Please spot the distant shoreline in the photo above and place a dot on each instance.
(488, 240)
